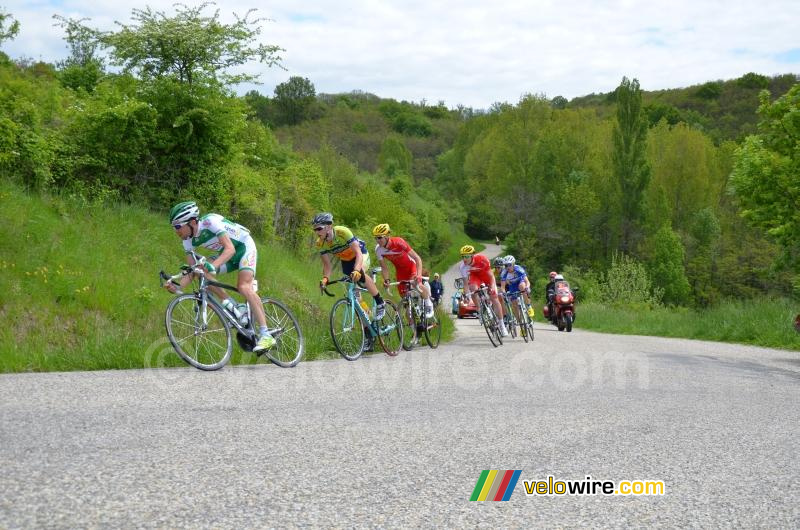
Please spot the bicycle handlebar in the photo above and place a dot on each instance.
(197, 268)
(324, 288)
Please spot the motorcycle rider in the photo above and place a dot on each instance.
(549, 293)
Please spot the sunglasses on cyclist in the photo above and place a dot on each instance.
(378, 238)
(319, 228)
(178, 227)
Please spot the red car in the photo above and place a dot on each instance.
(462, 307)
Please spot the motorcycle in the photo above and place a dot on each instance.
(563, 301)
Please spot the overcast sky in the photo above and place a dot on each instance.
(478, 52)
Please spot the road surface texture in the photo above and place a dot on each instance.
(401, 442)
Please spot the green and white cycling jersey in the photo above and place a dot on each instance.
(210, 227)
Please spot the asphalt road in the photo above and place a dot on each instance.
(399, 442)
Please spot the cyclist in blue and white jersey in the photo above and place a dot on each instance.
(236, 251)
(515, 279)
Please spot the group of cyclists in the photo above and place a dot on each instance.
(236, 251)
(476, 270)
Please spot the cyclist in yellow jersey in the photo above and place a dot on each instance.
(340, 241)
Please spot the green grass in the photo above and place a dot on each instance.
(766, 322)
(80, 286)
(452, 255)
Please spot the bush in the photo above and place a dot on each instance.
(627, 283)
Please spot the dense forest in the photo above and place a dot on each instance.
(694, 189)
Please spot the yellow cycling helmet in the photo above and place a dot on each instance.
(381, 230)
(467, 250)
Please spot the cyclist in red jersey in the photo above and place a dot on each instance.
(476, 269)
(407, 263)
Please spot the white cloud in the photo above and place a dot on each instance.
(476, 52)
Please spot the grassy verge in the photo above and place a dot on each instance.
(758, 322)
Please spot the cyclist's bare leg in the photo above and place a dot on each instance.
(245, 286)
(525, 288)
(498, 307)
(219, 292)
(371, 287)
(515, 309)
(425, 290)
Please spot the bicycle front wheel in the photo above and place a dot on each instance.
(433, 330)
(390, 330)
(285, 329)
(410, 325)
(489, 322)
(526, 325)
(346, 330)
(201, 336)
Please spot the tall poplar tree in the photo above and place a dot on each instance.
(631, 169)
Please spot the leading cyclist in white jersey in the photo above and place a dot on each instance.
(237, 251)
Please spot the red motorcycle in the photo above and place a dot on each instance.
(563, 301)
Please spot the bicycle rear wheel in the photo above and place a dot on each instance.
(433, 331)
(200, 336)
(390, 330)
(284, 327)
(346, 330)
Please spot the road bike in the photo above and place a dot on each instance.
(489, 319)
(509, 318)
(523, 319)
(415, 321)
(351, 323)
(200, 328)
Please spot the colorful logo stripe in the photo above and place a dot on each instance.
(494, 485)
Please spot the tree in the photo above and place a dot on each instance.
(753, 80)
(702, 249)
(9, 27)
(294, 98)
(766, 168)
(710, 90)
(261, 106)
(630, 165)
(395, 157)
(189, 46)
(83, 68)
(666, 266)
(559, 102)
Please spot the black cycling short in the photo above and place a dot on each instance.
(349, 266)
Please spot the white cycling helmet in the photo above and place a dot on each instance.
(509, 260)
(558, 277)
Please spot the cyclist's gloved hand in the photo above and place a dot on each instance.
(355, 276)
(386, 283)
(323, 282)
(210, 267)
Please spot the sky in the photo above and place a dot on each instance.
(476, 53)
